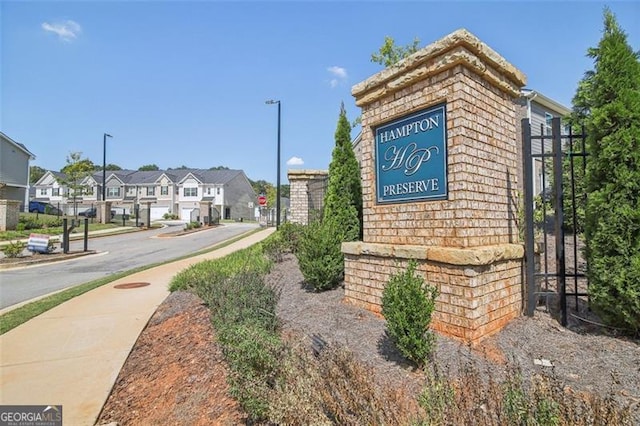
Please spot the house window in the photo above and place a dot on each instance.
(208, 191)
(88, 190)
(548, 118)
(151, 190)
(191, 192)
(113, 191)
(218, 191)
(55, 192)
(164, 190)
(43, 191)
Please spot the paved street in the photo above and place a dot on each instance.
(116, 254)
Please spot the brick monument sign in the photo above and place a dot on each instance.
(439, 176)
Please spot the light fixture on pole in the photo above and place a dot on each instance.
(104, 164)
(271, 102)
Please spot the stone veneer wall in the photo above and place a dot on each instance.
(479, 215)
(299, 192)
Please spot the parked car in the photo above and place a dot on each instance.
(43, 208)
(93, 212)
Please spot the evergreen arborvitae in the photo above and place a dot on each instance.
(610, 101)
(343, 201)
(319, 250)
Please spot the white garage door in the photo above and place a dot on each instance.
(158, 212)
(185, 214)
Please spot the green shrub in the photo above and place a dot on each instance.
(407, 305)
(21, 227)
(254, 356)
(290, 233)
(13, 250)
(243, 312)
(275, 247)
(242, 298)
(170, 216)
(192, 225)
(199, 277)
(320, 256)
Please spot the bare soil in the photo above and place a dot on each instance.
(176, 373)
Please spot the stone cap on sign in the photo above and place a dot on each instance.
(476, 256)
(458, 48)
(306, 173)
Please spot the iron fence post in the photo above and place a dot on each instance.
(559, 219)
(528, 217)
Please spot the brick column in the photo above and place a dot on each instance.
(466, 244)
(301, 191)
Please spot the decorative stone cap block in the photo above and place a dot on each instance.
(458, 48)
(476, 256)
(306, 173)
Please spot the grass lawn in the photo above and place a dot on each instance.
(49, 225)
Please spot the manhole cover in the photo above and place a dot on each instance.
(130, 285)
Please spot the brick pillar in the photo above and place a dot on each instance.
(466, 239)
(304, 185)
(9, 214)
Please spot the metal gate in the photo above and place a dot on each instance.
(554, 197)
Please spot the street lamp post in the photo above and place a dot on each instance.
(104, 164)
(278, 168)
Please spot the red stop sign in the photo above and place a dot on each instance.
(262, 200)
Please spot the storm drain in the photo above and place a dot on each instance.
(130, 285)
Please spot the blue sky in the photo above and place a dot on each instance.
(185, 83)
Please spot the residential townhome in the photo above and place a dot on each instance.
(191, 194)
(540, 110)
(50, 188)
(14, 170)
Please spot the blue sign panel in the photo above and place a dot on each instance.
(411, 157)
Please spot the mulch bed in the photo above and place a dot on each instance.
(177, 368)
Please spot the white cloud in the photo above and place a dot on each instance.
(67, 30)
(339, 74)
(338, 71)
(295, 161)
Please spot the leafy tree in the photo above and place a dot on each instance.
(183, 167)
(389, 53)
(343, 201)
(35, 173)
(285, 190)
(609, 97)
(76, 170)
(75, 162)
(219, 168)
(148, 168)
(109, 166)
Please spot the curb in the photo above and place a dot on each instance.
(42, 258)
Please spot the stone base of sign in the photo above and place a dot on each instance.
(479, 288)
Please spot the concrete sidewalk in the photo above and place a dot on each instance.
(72, 354)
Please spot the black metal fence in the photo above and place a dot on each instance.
(316, 190)
(554, 198)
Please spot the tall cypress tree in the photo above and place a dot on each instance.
(319, 251)
(610, 99)
(343, 201)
